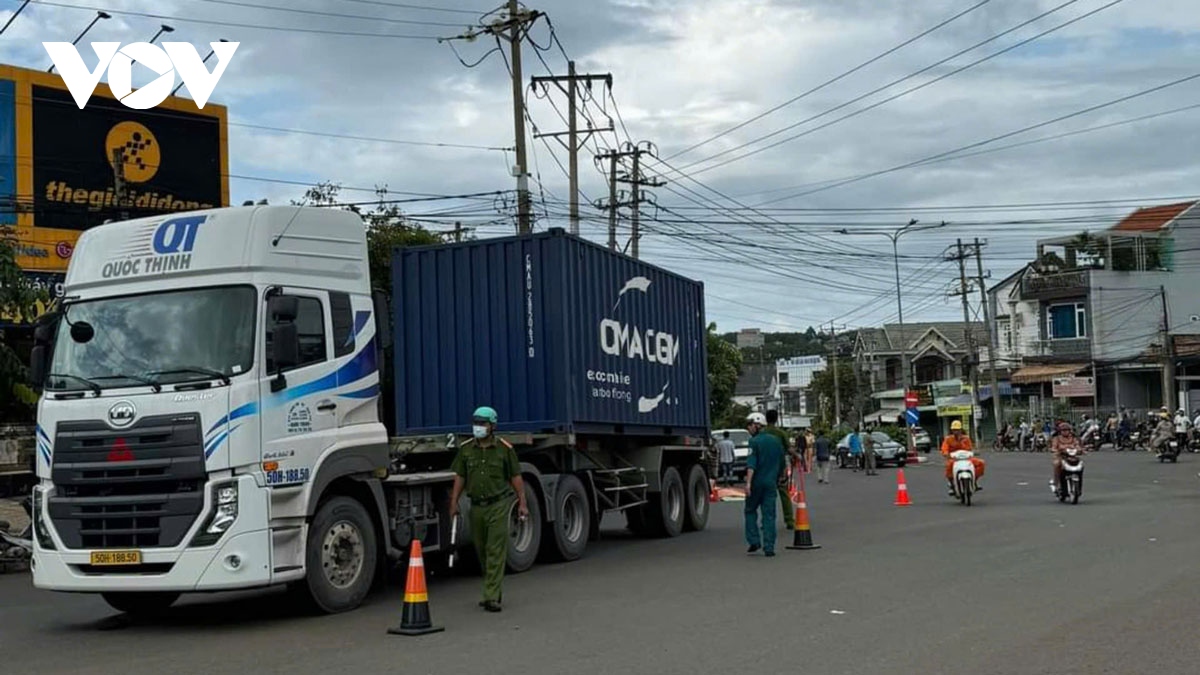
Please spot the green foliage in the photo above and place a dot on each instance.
(781, 346)
(824, 388)
(898, 434)
(734, 418)
(724, 366)
(18, 299)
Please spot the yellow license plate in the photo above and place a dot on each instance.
(116, 557)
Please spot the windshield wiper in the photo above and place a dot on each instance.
(195, 369)
(136, 378)
(90, 384)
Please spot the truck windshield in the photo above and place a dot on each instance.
(171, 337)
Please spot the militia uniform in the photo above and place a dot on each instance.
(487, 467)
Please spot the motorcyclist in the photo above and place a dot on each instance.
(956, 441)
(1058, 449)
(1164, 432)
(1087, 429)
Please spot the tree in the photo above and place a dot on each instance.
(724, 366)
(19, 301)
(822, 386)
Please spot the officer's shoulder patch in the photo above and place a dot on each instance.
(505, 443)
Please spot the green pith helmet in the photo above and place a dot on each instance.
(484, 412)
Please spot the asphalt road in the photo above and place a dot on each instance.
(1017, 583)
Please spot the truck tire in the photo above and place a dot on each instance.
(572, 521)
(668, 509)
(341, 556)
(525, 538)
(697, 499)
(140, 604)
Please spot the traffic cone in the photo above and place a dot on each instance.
(802, 536)
(414, 619)
(901, 489)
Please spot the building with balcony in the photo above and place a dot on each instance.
(936, 352)
(1103, 305)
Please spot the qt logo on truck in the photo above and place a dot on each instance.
(165, 247)
(178, 56)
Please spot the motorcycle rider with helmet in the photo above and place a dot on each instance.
(1163, 432)
(1058, 449)
(956, 441)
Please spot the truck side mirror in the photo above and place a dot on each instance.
(283, 308)
(43, 340)
(37, 366)
(383, 319)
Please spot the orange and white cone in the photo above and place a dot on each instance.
(414, 618)
(901, 489)
(802, 536)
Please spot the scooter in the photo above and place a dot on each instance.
(1071, 485)
(1168, 451)
(17, 547)
(963, 473)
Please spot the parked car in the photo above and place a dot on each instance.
(922, 440)
(887, 451)
(741, 448)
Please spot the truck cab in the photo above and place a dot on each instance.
(210, 400)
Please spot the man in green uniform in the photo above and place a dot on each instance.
(763, 466)
(489, 470)
(785, 499)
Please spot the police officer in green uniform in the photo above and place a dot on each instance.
(489, 470)
(785, 498)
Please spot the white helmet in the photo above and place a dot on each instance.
(757, 418)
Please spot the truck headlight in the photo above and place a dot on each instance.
(40, 530)
(224, 514)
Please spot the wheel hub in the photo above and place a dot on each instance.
(342, 554)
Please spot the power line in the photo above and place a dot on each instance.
(336, 15)
(369, 139)
(232, 24)
(993, 139)
(893, 97)
(832, 80)
(401, 5)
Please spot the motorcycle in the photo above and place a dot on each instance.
(1039, 442)
(963, 472)
(1005, 442)
(17, 547)
(1071, 484)
(1169, 451)
(1091, 439)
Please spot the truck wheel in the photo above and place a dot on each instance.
(697, 499)
(524, 538)
(341, 556)
(572, 521)
(668, 509)
(140, 604)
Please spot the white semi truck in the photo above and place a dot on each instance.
(212, 415)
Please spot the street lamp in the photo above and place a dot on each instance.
(99, 15)
(894, 236)
(164, 28)
(210, 55)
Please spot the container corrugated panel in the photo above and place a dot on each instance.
(554, 332)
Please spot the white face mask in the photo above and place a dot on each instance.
(479, 431)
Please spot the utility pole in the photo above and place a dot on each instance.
(511, 27)
(997, 404)
(636, 181)
(573, 134)
(966, 306)
(1168, 376)
(837, 386)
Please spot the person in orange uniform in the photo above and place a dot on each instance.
(956, 441)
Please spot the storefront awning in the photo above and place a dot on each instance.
(1045, 373)
(885, 416)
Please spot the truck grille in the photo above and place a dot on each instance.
(140, 487)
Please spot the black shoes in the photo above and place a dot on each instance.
(753, 549)
(770, 554)
(491, 606)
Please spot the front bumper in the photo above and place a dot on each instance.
(240, 559)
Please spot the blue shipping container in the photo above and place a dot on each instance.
(554, 332)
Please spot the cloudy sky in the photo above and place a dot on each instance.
(756, 212)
